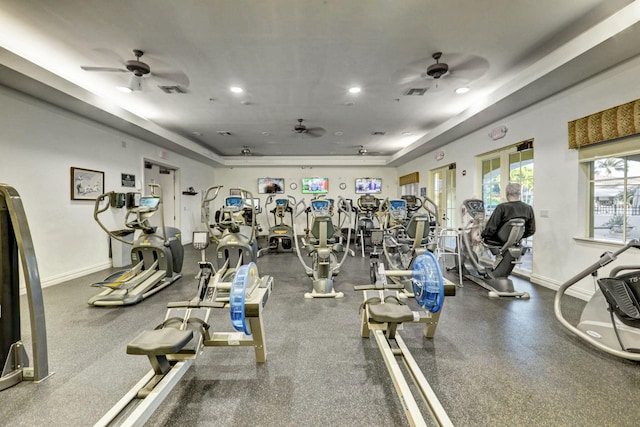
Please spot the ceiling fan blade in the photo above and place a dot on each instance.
(468, 67)
(412, 72)
(316, 132)
(105, 69)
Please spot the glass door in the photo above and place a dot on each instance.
(498, 168)
(443, 194)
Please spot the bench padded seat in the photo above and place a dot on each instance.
(159, 342)
(390, 312)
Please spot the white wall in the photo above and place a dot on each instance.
(40, 143)
(559, 184)
(247, 177)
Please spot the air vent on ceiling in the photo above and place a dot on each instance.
(416, 91)
(171, 89)
(378, 133)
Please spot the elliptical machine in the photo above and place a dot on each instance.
(157, 259)
(406, 239)
(322, 246)
(489, 263)
(233, 229)
(280, 238)
(611, 319)
(368, 207)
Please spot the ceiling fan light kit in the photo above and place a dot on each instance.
(438, 69)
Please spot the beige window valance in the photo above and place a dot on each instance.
(616, 122)
(411, 178)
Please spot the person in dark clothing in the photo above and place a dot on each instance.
(511, 209)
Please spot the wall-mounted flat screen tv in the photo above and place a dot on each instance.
(368, 185)
(271, 185)
(315, 185)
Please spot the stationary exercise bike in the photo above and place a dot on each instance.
(156, 257)
(322, 246)
(280, 238)
(489, 263)
(611, 319)
(174, 344)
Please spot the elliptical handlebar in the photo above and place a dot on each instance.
(206, 199)
(98, 209)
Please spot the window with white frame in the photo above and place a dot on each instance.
(613, 172)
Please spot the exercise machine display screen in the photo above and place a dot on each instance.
(398, 204)
(150, 202)
(234, 202)
(320, 206)
(200, 237)
(475, 206)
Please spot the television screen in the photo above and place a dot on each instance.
(271, 185)
(368, 185)
(315, 185)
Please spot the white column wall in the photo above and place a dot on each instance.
(560, 187)
(40, 143)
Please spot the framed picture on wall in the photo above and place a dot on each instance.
(86, 184)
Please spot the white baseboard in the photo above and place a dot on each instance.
(69, 275)
(576, 291)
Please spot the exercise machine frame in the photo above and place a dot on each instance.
(281, 232)
(235, 241)
(384, 313)
(321, 247)
(16, 244)
(491, 273)
(600, 324)
(175, 344)
(157, 260)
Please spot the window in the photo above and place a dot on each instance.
(614, 197)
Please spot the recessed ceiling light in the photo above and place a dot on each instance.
(124, 89)
(236, 89)
(405, 133)
(355, 89)
(224, 133)
(265, 133)
(196, 133)
(338, 133)
(462, 90)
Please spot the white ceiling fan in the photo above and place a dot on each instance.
(140, 70)
(302, 129)
(458, 69)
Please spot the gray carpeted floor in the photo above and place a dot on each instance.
(491, 363)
